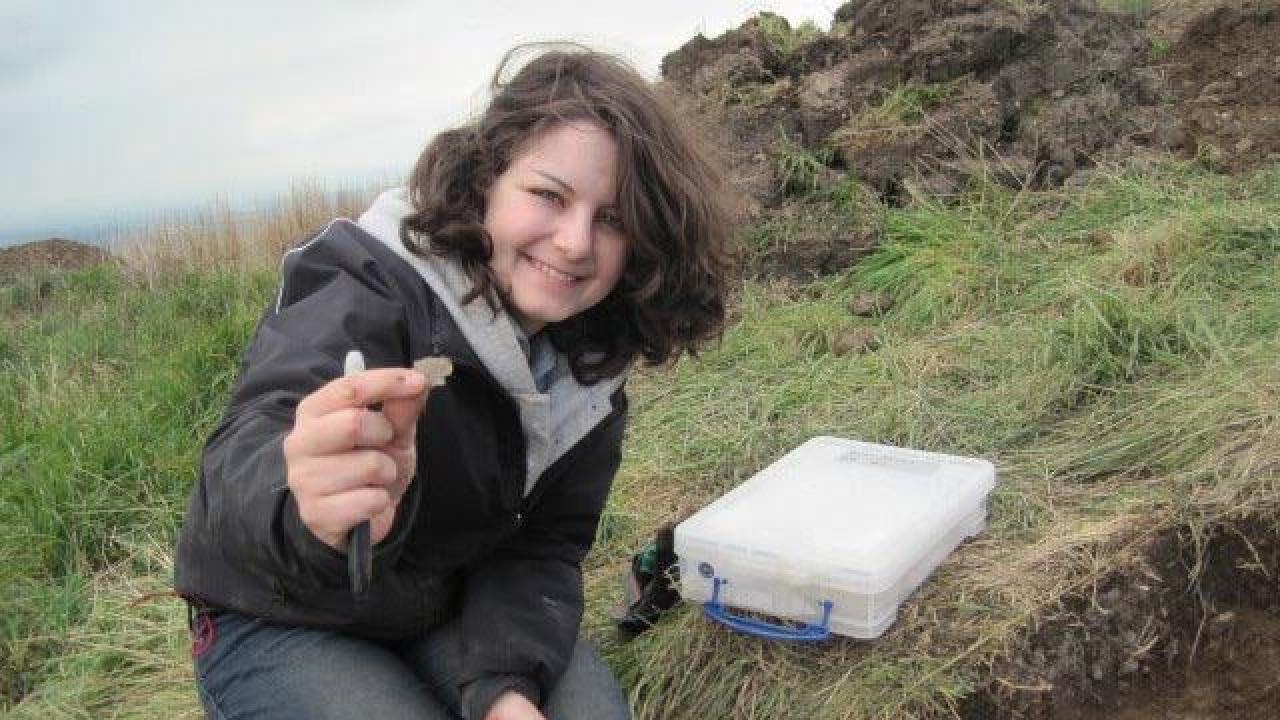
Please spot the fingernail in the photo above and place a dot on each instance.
(413, 379)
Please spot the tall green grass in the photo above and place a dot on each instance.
(108, 393)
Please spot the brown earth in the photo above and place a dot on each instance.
(1225, 72)
(57, 253)
(1236, 678)
(802, 241)
(1176, 636)
(913, 97)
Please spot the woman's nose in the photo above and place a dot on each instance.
(574, 237)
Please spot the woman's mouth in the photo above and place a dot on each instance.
(551, 272)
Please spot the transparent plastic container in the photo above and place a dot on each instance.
(833, 536)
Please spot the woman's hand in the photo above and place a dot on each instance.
(346, 462)
(511, 705)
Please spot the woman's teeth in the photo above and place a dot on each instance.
(552, 272)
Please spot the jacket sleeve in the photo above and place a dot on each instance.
(523, 603)
(332, 299)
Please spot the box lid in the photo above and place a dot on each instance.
(857, 513)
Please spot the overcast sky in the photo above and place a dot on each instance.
(115, 111)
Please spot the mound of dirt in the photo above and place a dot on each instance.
(58, 253)
(938, 90)
(926, 95)
(1226, 73)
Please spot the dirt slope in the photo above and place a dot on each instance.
(1225, 72)
(938, 92)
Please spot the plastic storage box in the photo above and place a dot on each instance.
(833, 536)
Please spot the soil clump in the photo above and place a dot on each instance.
(930, 88)
(1225, 71)
(54, 253)
(913, 98)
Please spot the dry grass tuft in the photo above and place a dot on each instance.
(221, 238)
(128, 658)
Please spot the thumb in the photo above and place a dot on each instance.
(403, 414)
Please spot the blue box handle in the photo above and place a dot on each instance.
(760, 628)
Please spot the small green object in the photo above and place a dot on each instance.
(647, 559)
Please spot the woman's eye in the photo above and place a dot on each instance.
(611, 219)
(548, 195)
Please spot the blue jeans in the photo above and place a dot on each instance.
(248, 668)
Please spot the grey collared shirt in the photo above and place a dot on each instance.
(541, 356)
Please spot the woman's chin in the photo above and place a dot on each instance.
(533, 319)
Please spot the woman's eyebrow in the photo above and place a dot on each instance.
(563, 185)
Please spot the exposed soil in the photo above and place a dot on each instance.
(1174, 636)
(926, 96)
(1237, 677)
(1225, 71)
(801, 241)
(57, 253)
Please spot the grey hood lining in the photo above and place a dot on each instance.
(554, 421)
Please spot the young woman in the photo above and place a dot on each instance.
(571, 229)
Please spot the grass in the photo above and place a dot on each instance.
(1129, 7)
(901, 114)
(218, 237)
(782, 39)
(901, 109)
(109, 392)
(781, 49)
(801, 172)
(1111, 349)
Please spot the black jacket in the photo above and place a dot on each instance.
(467, 548)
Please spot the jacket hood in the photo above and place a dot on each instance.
(553, 421)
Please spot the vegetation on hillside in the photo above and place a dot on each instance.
(1112, 349)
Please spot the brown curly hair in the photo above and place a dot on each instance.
(672, 201)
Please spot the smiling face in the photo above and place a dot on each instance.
(558, 245)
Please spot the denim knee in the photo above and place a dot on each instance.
(247, 668)
(588, 689)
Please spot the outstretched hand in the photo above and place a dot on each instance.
(346, 462)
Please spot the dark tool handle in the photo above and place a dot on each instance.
(359, 548)
(360, 558)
